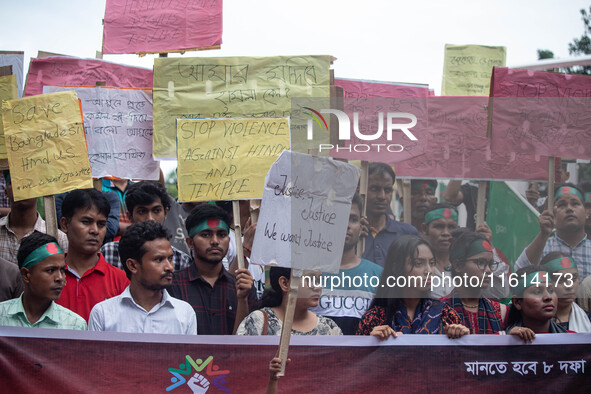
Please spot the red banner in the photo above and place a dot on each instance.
(43, 360)
(73, 71)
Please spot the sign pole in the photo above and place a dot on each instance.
(292, 297)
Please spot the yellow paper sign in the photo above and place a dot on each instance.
(230, 87)
(46, 145)
(467, 69)
(227, 158)
(8, 91)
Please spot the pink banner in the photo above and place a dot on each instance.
(72, 71)
(458, 148)
(359, 88)
(135, 26)
(541, 113)
(367, 99)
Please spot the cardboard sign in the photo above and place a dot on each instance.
(8, 91)
(458, 148)
(45, 145)
(72, 71)
(305, 213)
(542, 113)
(227, 158)
(16, 59)
(138, 26)
(118, 128)
(467, 69)
(230, 87)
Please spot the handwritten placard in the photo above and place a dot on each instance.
(118, 128)
(16, 59)
(305, 212)
(467, 69)
(457, 147)
(227, 158)
(230, 87)
(45, 145)
(541, 112)
(72, 71)
(8, 91)
(136, 26)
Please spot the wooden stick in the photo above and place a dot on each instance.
(363, 182)
(406, 206)
(481, 203)
(238, 232)
(551, 180)
(255, 209)
(292, 297)
(50, 216)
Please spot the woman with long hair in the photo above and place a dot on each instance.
(269, 319)
(402, 305)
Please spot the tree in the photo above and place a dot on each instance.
(582, 45)
(545, 54)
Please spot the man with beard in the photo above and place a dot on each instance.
(43, 268)
(422, 196)
(568, 217)
(347, 295)
(440, 221)
(383, 230)
(145, 306)
(219, 299)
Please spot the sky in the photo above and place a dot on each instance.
(384, 40)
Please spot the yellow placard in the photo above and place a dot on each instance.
(8, 91)
(467, 69)
(230, 87)
(46, 145)
(227, 158)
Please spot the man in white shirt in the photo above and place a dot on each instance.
(145, 306)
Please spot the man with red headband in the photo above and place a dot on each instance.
(219, 299)
(568, 217)
(43, 268)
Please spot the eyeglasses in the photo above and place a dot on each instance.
(482, 263)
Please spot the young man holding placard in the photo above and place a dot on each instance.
(347, 301)
(42, 266)
(383, 230)
(568, 217)
(219, 299)
(146, 200)
(22, 220)
(145, 306)
(90, 278)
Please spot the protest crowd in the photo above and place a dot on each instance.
(125, 256)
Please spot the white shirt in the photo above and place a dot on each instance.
(122, 314)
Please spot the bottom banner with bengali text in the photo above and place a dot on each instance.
(44, 360)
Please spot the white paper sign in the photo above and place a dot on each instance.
(17, 61)
(118, 126)
(305, 213)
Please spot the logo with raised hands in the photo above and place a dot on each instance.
(200, 375)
